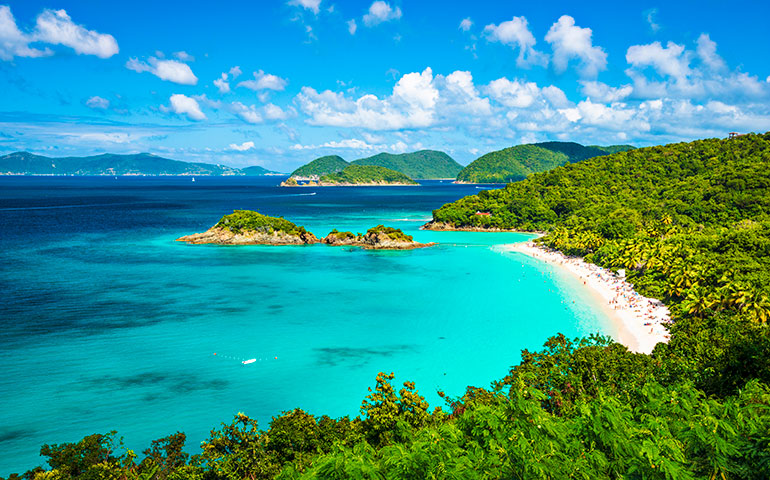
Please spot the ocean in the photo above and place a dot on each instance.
(109, 324)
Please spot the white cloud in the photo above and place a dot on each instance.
(247, 113)
(264, 81)
(184, 56)
(169, 70)
(379, 12)
(222, 84)
(572, 42)
(466, 24)
(514, 94)
(184, 105)
(274, 112)
(14, 43)
(602, 92)
(707, 52)
(54, 27)
(235, 72)
(669, 60)
(245, 146)
(650, 15)
(355, 144)
(312, 5)
(352, 27)
(515, 33)
(98, 103)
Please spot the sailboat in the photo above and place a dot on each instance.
(193, 179)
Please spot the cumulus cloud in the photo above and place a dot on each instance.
(264, 81)
(53, 27)
(245, 146)
(312, 5)
(98, 103)
(222, 84)
(707, 52)
(247, 113)
(602, 92)
(352, 26)
(379, 12)
(466, 24)
(572, 42)
(650, 15)
(516, 34)
(169, 70)
(235, 71)
(669, 60)
(184, 105)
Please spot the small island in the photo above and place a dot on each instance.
(246, 227)
(376, 238)
(355, 176)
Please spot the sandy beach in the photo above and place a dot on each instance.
(640, 320)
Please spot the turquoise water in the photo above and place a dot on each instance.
(110, 324)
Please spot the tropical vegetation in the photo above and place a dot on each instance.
(366, 174)
(249, 221)
(516, 163)
(320, 166)
(425, 164)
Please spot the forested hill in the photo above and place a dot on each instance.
(516, 163)
(320, 166)
(366, 175)
(425, 164)
(256, 170)
(25, 163)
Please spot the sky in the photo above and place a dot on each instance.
(277, 83)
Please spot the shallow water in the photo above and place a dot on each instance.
(107, 323)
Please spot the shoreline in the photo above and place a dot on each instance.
(639, 320)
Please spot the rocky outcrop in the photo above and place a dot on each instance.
(449, 227)
(223, 236)
(372, 241)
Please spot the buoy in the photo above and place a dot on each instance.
(276, 358)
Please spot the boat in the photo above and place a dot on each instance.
(251, 360)
(193, 179)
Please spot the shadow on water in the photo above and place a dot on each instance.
(355, 356)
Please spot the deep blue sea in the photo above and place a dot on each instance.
(109, 324)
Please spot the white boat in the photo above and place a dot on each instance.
(251, 360)
(193, 179)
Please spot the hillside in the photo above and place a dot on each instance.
(425, 164)
(516, 163)
(366, 175)
(25, 163)
(256, 170)
(320, 166)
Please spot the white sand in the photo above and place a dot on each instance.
(640, 320)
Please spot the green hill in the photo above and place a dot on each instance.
(25, 163)
(367, 174)
(516, 163)
(425, 164)
(320, 167)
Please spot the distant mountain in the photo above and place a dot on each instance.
(256, 170)
(25, 163)
(516, 163)
(425, 164)
(320, 167)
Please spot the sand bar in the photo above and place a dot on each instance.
(640, 320)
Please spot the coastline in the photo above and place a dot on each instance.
(639, 320)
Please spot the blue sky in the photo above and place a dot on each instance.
(278, 83)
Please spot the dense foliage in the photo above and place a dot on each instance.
(321, 166)
(25, 163)
(392, 233)
(516, 163)
(249, 221)
(425, 164)
(362, 174)
(689, 222)
(255, 170)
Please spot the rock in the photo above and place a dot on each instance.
(222, 236)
